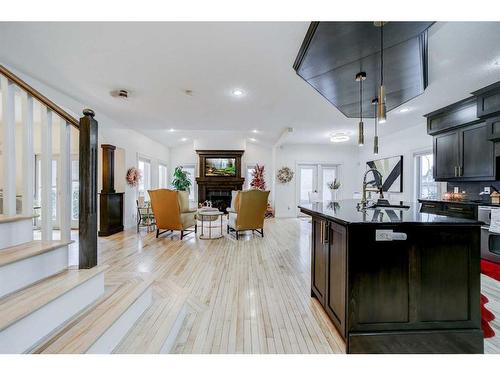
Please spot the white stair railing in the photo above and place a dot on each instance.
(51, 115)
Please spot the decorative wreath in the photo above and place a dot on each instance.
(133, 176)
(285, 175)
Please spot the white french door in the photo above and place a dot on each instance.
(314, 178)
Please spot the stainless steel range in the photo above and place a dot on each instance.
(490, 242)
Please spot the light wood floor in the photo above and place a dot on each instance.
(228, 296)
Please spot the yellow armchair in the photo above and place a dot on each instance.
(250, 206)
(172, 212)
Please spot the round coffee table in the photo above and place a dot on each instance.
(210, 217)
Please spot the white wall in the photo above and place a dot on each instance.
(406, 142)
(289, 155)
(129, 141)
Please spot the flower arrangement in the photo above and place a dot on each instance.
(258, 178)
(285, 175)
(133, 176)
(333, 185)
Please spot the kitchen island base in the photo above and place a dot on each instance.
(397, 282)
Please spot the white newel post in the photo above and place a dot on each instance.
(46, 170)
(28, 154)
(64, 184)
(9, 146)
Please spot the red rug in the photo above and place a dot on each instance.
(492, 270)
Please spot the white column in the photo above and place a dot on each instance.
(46, 170)
(64, 181)
(9, 146)
(28, 154)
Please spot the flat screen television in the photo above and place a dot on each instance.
(220, 167)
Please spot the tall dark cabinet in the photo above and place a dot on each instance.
(111, 202)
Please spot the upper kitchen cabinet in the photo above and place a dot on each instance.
(488, 100)
(464, 141)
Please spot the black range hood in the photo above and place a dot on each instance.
(333, 52)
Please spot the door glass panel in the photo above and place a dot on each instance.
(494, 244)
(306, 183)
(328, 177)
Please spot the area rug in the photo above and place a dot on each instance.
(492, 270)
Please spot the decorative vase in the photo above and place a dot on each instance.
(333, 193)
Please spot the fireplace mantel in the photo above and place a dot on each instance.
(218, 186)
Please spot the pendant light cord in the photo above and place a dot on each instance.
(361, 98)
(382, 53)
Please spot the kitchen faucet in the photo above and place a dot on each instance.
(377, 182)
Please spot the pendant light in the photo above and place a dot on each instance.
(360, 77)
(381, 108)
(375, 138)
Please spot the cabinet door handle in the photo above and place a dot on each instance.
(455, 209)
(325, 237)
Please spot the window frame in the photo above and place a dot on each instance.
(417, 175)
(148, 160)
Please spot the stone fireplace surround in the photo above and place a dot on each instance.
(218, 189)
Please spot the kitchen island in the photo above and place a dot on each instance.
(396, 280)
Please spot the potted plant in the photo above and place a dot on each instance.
(181, 180)
(333, 186)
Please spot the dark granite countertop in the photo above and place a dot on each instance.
(346, 212)
(468, 202)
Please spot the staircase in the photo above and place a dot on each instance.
(46, 306)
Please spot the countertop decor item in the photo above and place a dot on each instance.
(133, 176)
(333, 186)
(285, 175)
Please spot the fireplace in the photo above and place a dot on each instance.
(220, 173)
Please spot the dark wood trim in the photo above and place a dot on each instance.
(305, 44)
(38, 96)
(88, 191)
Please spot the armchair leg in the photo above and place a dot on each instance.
(196, 228)
(237, 235)
(182, 234)
(262, 232)
(157, 232)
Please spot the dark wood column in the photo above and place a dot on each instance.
(88, 191)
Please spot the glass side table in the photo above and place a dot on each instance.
(210, 220)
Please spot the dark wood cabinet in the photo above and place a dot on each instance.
(477, 153)
(319, 258)
(445, 208)
(488, 100)
(446, 155)
(335, 303)
(466, 153)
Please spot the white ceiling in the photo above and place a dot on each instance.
(157, 62)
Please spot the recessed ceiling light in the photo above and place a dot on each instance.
(403, 110)
(171, 130)
(252, 139)
(238, 92)
(255, 131)
(339, 137)
(496, 63)
(184, 139)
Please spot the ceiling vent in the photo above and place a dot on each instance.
(123, 94)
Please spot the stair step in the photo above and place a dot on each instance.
(30, 262)
(12, 218)
(30, 315)
(15, 230)
(157, 329)
(26, 250)
(104, 326)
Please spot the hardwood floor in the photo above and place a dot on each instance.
(223, 296)
(228, 296)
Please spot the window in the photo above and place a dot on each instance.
(426, 187)
(162, 176)
(145, 182)
(191, 170)
(329, 175)
(248, 176)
